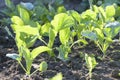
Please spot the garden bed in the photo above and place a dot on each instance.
(75, 67)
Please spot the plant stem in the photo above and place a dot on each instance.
(90, 3)
(42, 40)
(22, 66)
(75, 43)
(33, 72)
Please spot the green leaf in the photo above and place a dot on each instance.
(63, 52)
(30, 40)
(75, 15)
(100, 35)
(9, 4)
(90, 61)
(13, 56)
(43, 66)
(112, 29)
(64, 35)
(61, 9)
(35, 52)
(45, 29)
(89, 14)
(17, 20)
(26, 29)
(62, 21)
(57, 77)
(89, 34)
(102, 13)
(110, 11)
(52, 35)
(24, 14)
(25, 52)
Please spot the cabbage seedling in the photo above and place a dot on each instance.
(90, 63)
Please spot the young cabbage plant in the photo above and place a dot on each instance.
(99, 38)
(25, 37)
(90, 63)
(61, 24)
(103, 38)
(77, 28)
(29, 59)
(24, 40)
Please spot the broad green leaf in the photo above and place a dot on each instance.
(24, 14)
(102, 13)
(13, 56)
(43, 66)
(25, 39)
(57, 77)
(26, 29)
(100, 35)
(25, 52)
(35, 52)
(95, 8)
(75, 15)
(19, 42)
(62, 21)
(89, 34)
(117, 11)
(17, 20)
(30, 40)
(112, 29)
(52, 35)
(110, 11)
(45, 29)
(64, 35)
(89, 14)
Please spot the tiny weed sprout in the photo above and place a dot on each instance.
(90, 63)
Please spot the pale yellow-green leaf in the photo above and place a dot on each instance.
(24, 14)
(62, 21)
(43, 66)
(110, 11)
(27, 29)
(35, 52)
(64, 35)
(45, 29)
(52, 35)
(17, 20)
